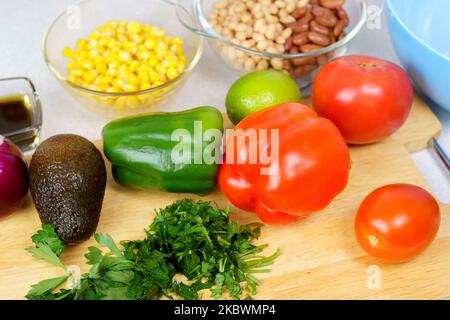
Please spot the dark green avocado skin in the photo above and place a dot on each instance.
(67, 184)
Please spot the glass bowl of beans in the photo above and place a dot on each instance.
(294, 36)
(121, 57)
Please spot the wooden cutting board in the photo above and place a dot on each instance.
(320, 257)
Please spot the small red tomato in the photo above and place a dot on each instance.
(395, 223)
(368, 99)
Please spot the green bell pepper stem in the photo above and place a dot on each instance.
(141, 150)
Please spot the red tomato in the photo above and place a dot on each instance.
(395, 223)
(367, 98)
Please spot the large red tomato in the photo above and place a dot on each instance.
(397, 222)
(367, 98)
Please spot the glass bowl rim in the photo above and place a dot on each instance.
(192, 64)
(206, 31)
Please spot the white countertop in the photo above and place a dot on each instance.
(23, 24)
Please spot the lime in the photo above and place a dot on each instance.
(258, 90)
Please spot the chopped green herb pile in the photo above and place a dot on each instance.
(193, 239)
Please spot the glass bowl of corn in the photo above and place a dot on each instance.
(121, 57)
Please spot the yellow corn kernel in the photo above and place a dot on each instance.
(93, 87)
(177, 40)
(161, 46)
(134, 28)
(154, 76)
(93, 54)
(97, 80)
(158, 32)
(145, 86)
(103, 42)
(153, 61)
(77, 72)
(124, 56)
(111, 56)
(112, 43)
(87, 64)
(161, 55)
(113, 90)
(106, 80)
(71, 65)
(112, 72)
(172, 73)
(101, 67)
(130, 88)
(81, 54)
(114, 65)
(147, 28)
(160, 69)
(150, 43)
(68, 53)
(134, 65)
(73, 78)
(94, 35)
(144, 55)
(110, 24)
(131, 79)
(92, 44)
(89, 76)
(123, 69)
(103, 87)
(99, 59)
(170, 62)
(81, 44)
(127, 45)
(121, 30)
(143, 78)
(174, 48)
(141, 47)
(181, 67)
(122, 37)
(136, 38)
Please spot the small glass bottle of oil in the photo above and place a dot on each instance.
(20, 112)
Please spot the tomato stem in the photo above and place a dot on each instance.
(373, 240)
(367, 65)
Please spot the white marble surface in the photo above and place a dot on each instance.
(24, 22)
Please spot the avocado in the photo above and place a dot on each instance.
(67, 184)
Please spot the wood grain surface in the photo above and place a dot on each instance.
(320, 257)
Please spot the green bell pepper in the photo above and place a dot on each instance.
(142, 149)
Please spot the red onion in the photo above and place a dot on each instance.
(13, 177)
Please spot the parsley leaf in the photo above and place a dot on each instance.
(48, 236)
(44, 252)
(106, 241)
(45, 287)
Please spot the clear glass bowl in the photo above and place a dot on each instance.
(228, 50)
(80, 20)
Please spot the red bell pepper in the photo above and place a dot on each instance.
(309, 160)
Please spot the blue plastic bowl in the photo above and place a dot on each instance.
(420, 32)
